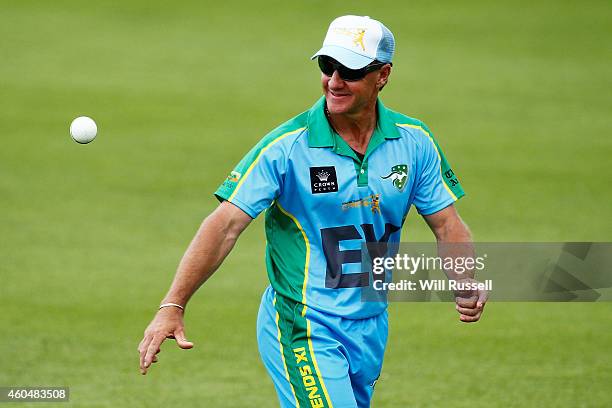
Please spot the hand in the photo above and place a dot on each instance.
(470, 303)
(167, 324)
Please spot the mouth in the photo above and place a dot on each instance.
(338, 95)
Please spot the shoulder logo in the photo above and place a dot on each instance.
(398, 175)
(323, 180)
(450, 176)
(234, 176)
(231, 180)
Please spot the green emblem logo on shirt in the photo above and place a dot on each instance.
(398, 175)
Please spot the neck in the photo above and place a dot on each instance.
(355, 128)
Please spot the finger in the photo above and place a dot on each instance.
(467, 311)
(152, 350)
(470, 302)
(143, 348)
(483, 296)
(144, 344)
(181, 339)
(140, 344)
(470, 319)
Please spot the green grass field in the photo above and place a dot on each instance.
(91, 235)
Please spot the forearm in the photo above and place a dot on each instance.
(454, 230)
(455, 241)
(210, 246)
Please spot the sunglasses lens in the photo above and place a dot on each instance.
(351, 74)
(329, 65)
(326, 66)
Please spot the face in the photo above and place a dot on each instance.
(352, 97)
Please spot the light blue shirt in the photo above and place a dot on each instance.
(322, 202)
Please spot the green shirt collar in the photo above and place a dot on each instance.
(320, 133)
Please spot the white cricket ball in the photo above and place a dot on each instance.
(83, 129)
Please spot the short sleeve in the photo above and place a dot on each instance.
(437, 186)
(257, 179)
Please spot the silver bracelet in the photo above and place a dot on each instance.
(171, 304)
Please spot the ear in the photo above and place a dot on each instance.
(383, 76)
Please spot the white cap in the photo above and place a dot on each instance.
(356, 41)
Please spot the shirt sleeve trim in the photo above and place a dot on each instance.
(244, 207)
(433, 210)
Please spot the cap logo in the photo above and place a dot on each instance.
(357, 35)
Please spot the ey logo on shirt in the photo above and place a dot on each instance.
(323, 180)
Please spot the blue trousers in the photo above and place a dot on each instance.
(317, 359)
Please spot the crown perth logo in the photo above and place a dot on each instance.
(323, 175)
(323, 180)
(398, 175)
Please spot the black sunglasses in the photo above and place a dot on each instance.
(328, 65)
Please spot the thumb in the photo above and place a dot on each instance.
(181, 340)
(483, 295)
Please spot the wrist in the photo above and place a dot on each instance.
(172, 305)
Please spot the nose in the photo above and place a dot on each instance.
(335, 81)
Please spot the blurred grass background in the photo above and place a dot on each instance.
(517, 93)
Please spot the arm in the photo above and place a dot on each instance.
(212, 243)
(454, 240)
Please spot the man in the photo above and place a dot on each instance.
(342, 173)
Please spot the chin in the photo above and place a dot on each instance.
(335, 109)
(337, 106)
